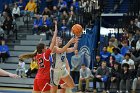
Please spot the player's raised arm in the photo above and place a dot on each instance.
(54, 37)
(64, 49)
(72, 49)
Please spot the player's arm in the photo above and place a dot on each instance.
(64, 49)
(72, 49)
(5, 73)
(54, 37)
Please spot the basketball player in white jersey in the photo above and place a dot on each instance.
(59, 70)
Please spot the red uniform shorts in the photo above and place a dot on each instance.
(42, 85)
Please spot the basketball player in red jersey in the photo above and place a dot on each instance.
(42, 79)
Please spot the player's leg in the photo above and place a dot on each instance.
(69, 82)
(35, 91)
(54, 89)
(63, 90)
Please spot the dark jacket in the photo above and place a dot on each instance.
(126, 76)
(103, 72)
(115, 73)
(138, 72)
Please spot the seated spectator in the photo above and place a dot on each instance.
(138, 45)
(55, 12)
(30, 8)
(46, 12)
(7, 11)
(111, 61)
(115, 76)
(125, 48)
(128, 60)
(62, 5)
(16, 11)
(63, 26)
(21, 4)
(38, 23)
(85, 76)
(64, 16)
(137, 22)
(117, 55)
(131, 27)
(21, 68)
(125, 78)
(114, 40)
(47, 24)
(7, 25)
(33, 68)
(101, 75)
(137, 35)
(105, 55)
(110, 47)
(76, 6)
(71, 19)
(97, 63)
(4, 51)
(136, 80)
(76, 64)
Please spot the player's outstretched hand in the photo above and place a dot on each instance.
(13, 75)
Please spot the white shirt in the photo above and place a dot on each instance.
(16, 11)
(130, 62)
(138, 45)
(21, 64)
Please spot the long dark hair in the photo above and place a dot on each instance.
(39, 47)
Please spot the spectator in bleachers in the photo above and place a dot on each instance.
(136, 80)
(6, 11)
(38, 23)
(21, 4)
(46, 12)
(63, 26)
(131, 41)
(76, 6)
(4, 51)
(110, 47)
(105, 55)
(138, 45)
(137, 35)
(76, 64)
(47, 24)
(21, 68)
(125, 78)
(62, 5)
(30, 8)
(85, 76)
(16, 11)
(115, 76)
(131, 27)
(71, 19)
(33, 68)
(137, 22)
(101, 75)
(55, 12)
(117, 55)
(128, 60)
(125, 48)
(112, 60)
(114, 40)
(97, 63)
(64, 15)
(7, 25)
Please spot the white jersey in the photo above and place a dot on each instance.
(60, 61)
(58, 68)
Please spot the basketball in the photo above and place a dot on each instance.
(77, 29)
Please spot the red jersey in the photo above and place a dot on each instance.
(44, 65)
